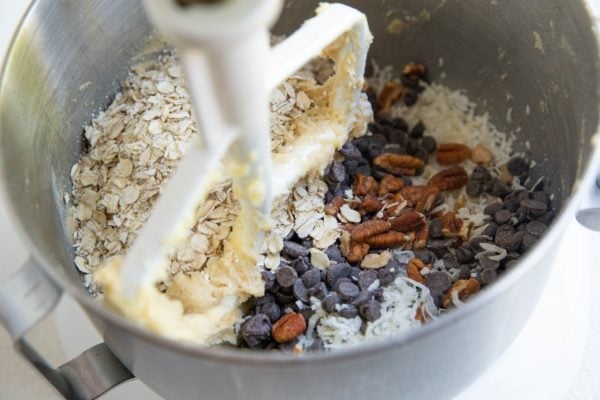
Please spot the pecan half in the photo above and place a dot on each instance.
(452, 153)
(334, 206)
(421, 237)
(364, 185)
(398, 164)
(413, 270)
(408, 221)
(357, 251)
(371, 204)
(463, 289)
(370, 228)
(450, 178)
(392, 209)
(288, 327)
(388, 240)
(420, 197)
(390, 184)
(390, 94)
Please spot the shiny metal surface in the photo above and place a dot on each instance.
(509, 54)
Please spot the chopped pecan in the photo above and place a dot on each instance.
(452, 153)
(288, 327)
(481, 155)
(357, 251)
(390, 184)
(421, 237)
(371, 204)
(408, 221)
(388, 240)
(421, 314)
(461, 289)
(364, 185)
(413, 270)
(370, 228)
(451, 225)
(414, 70)
(398, 164)
(420, 197)
(392, 209)
(390, 94)
(334, 206)
(450, 178)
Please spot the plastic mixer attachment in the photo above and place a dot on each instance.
(231, 68)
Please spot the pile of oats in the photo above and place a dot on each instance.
(135, 144)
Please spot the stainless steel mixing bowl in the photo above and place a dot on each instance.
(517, 55)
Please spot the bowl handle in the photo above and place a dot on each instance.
(26, 298)
(589, 210)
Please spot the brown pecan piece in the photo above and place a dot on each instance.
(392, 209)
(451, 225)
(388, 240)
(450, 178)
(452, 153)
(364, 185)
(370, 228)
(371, 204)
(415, 71)
(398, 164)
(390, 184)
(463, 289)
(357, 251)
(413, 270)
(481, 155)
(420, 197)
(421, 237)
(288, 327)
(408, 221)
(390, 94)
(334, 206)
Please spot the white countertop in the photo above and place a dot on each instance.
(574, 347)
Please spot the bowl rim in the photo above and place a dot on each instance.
(580, 189)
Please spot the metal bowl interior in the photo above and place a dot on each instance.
(509, 57)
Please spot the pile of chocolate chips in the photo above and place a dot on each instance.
(516, 219)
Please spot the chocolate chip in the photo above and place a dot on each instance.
(418, 130)
(301, 265)
(435, 228)
(348, 311)
(300, 291)
(335, 272)
(412, 146)
(364, 169)
(487, 263)
(306, 313)
(517, 165)
(268, 278)
(286, 276)
(386, 276)
(284, 298)
(521, 214)
(366, 278)
(350, 151)
(491, 209)
(528, 241)
(294, 250)
(422, 155)
(410, 98)
(487, 276)
(541, 197)
(500, 188)
(427, 256)
(510, 264)
(334, 254)
(534, 208)
(429, 144)
(473, 188)
(438, 284)
(379, 294)
(361, 299)
(507, 238)
(311, 277)
(371, 310)
(450, 261)
(394, 148)
(319, 291)
(267, 298)
(378, 139)
(490, 229)
(256, 330)
(347, 291)
(465, 271)
(401, 124)
(336, 172)
(464, 254)
(480, 174)
(535, 228)
(331, 301)
(272, 311)
(502, 216)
